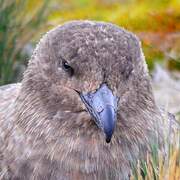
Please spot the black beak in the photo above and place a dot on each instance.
(102, 105)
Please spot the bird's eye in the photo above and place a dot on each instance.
(67, 68)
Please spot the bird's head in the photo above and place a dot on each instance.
(87, 76)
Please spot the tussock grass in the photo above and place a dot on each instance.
(164, 170)
(19, 22)
(159, 166)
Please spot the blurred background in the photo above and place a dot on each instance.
(157, 23)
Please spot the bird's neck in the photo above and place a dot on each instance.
(78, 147)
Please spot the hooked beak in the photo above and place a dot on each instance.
(102, 106)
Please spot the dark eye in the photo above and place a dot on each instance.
(67, 68)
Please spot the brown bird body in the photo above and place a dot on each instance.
(45, 129)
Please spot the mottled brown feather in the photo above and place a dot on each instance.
(45, 132)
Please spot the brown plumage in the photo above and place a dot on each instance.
(46, 131)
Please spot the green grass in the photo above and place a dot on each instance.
(160, 167)
(18, 25)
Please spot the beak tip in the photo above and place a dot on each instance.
(108, 140)
(108, 136)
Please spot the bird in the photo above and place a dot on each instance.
(85, 108)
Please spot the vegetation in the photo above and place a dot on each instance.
(19, 22)
(156, 23)
(160, 167)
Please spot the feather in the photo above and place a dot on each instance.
(46, 132)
